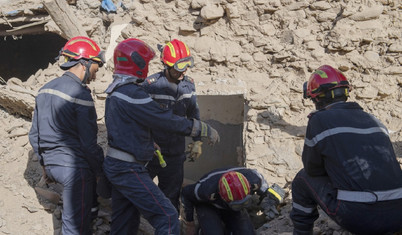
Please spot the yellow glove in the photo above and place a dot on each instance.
(194, 150)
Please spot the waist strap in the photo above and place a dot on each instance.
(361, 196)
(123, 156)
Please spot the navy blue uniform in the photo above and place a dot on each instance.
(182, 100)
(64, 137)
(350, 170)
(130, 114)
(212, 210)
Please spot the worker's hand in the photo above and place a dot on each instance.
(194, 150)
(190, 228)
(274, 196)
(205, 131)
(156, 147)
(276, 193)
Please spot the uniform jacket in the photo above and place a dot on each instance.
(131, 113)
(181, 99)
(352, 147)
(206, 190)
(64, 129)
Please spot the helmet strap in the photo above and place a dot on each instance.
(322, 102)
(171, 77)
(87, 64)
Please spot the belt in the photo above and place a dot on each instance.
(367, 196)
(123, 156)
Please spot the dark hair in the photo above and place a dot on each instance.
(331, 96)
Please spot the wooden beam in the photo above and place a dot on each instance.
(61, 14)
(37, 29)
(27, 26)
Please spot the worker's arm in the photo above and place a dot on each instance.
(88, 131)
(34, 136)
(312, 158)
(189, 200)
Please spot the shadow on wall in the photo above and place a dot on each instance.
(275, 121)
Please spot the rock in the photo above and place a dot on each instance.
(320, 5)
(368, 14)
(395, 47)
(211, 12)
(371, 56)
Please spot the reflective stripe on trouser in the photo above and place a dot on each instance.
(78, 187)
(358, 196)
(137, 191)
(308, 192)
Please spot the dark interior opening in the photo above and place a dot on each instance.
(225, 113)
(25, 55)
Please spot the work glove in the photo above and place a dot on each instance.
(270, 201)
(194, 150)
(204, 131)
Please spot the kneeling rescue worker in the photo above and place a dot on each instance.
(221, 197)
(350, 167)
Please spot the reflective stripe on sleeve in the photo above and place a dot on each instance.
(67, 97)
(340, 130)
(169, 97)
(307, 210)
(131, 100)
(186, 96)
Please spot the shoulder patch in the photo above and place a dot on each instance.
(190, 79)
(151, 80)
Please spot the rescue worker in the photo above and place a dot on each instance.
(175, 91)
(350, 168)
(64, 133)
(220, 199)
(130, 115)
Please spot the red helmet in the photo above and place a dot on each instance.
(81, 48)
(324, 79)
(233, 186)
(176, 54)
(131, 57)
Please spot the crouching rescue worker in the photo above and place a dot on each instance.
(350, 168)
(64, 133)
(220, 199)
(130, 115)
(175, 91)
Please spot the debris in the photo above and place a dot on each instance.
(48, 195)
(64, 18)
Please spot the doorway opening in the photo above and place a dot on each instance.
(225, 113)
(22, 56)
